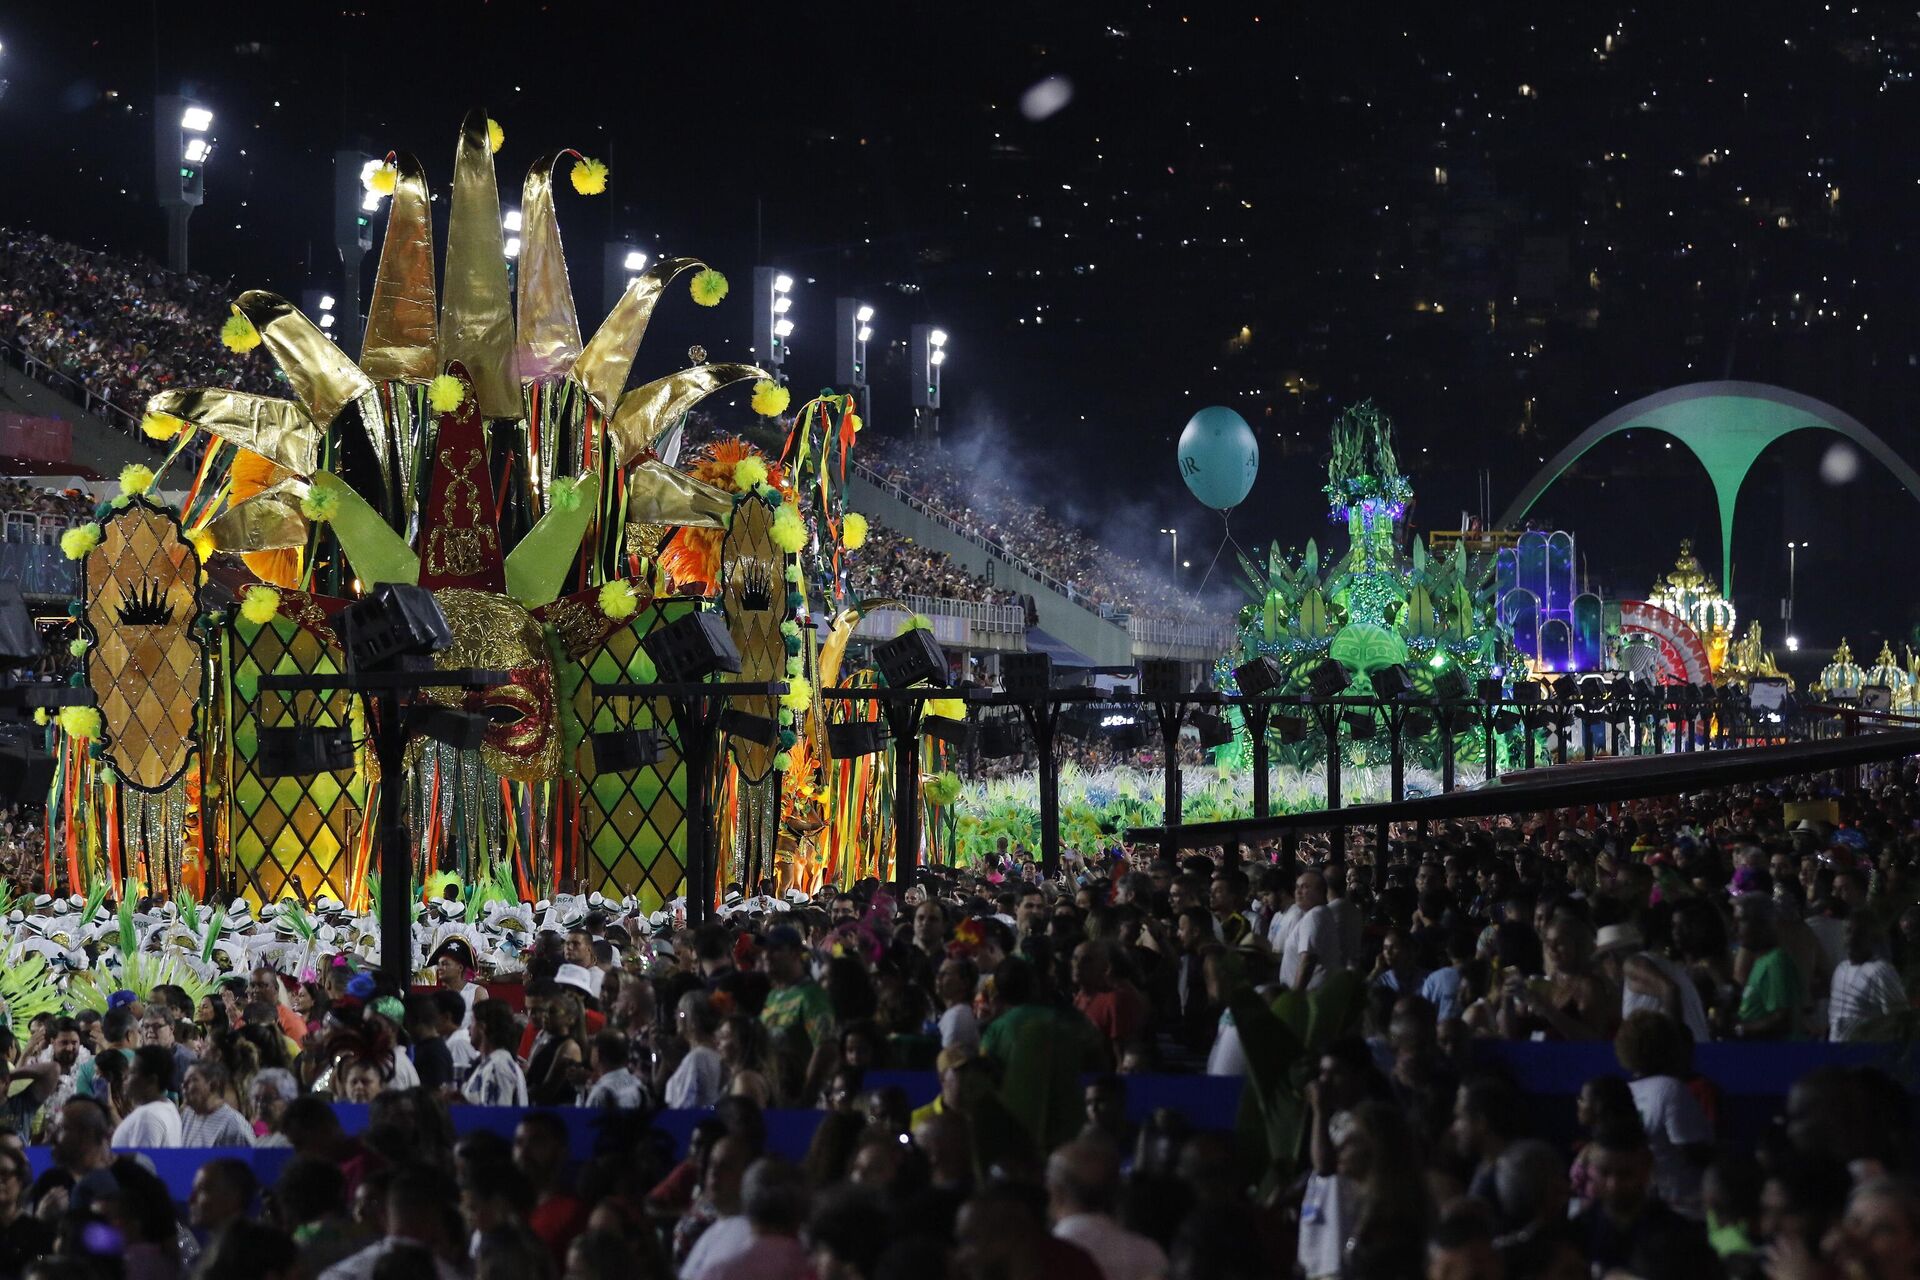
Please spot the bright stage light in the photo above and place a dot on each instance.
(512, 220)
(1793, 644)
(863, 315)
(196, 119)
(782, 327)
(782, 305)
(866, 334)
(198, 149)
(939, 357)
(938, 337)
(513, 246)
(326, 302)
(782, 284)
(636, 261)
(326, 320)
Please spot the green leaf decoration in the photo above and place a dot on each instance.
(1366, 648)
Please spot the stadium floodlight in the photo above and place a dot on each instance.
(181, 147)
(326, 302)
(782, 305)
(636, 260)
(772, 319)
(783, 284)
(926, 347)
(196, 151)
(326, 320)
(853, 330)
(938, 337)
(937, 359)
(782, 327)
(864, 315)
(511, 220)
(513, 246)
(865, 334)
(196, 119)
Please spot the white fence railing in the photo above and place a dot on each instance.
(1215, 637)
(93, 402)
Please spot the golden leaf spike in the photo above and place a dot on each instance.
(403, 325)
(279, 430)
(658, 494)
(603, 367)
(476, 326)
(646, 413)
(268, 521)
(549, 326)
(318, 370)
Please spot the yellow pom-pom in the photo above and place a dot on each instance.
(618, 599)
(798, 695)
(162, 426)
(496, 136)
(770, 399)
(321, 504)
(789, 532)
(77, 541)
(40, 715)
(260, 605)
(589, 176)
(853, 531)
(445, 393)
(203, 543)
(135, 478)
(857, 423)
(80, 722)
(708, 287)
(238, 334)
(749, 473)
(383, 178)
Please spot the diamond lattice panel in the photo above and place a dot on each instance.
(634, 825)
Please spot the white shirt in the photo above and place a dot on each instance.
(724, 1241)
(1227, 1057)
(1674, 1121)
(1119, 1253)
(1326, 1212)
(225, 1127)
(405, 1074)
(696, 1081)
(1282, 928)
(460, 1049)
(1692, 1011)
(1860, 993)
(1318, 932)
(959, 1028)
(152, 1124)
(497, 1081)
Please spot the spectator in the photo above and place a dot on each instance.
(415, 1205)
(206, 1119)
(150, 1119)
(1083, 1180)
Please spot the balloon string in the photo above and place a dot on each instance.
(1226, 540)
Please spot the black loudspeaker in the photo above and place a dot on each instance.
(1213, 730)
(1161, 679)
(1290, 728)
(1262, 675)
(692, 647)
(958, 734)
(1359, 727)
(1417, 725)
(1491, 691)
(1026, 674)
(1392, 683)
(1451, 685)
(461, 730)
(300, 751)
(856, 738)
(1529, 691)
(395, 621)
(910, 658)
(1000, 737)
(745, 724)
(28, 775)
(1458, 721)
(1330, 679)
(624, 750)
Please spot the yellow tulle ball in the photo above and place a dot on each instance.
(135, 478)
(749, 473)
(589, 176)
(708, 287)
(81, 722)
(40, 715)
(203, 543)
(496, 136)
(854, 418)
(789, 532)
(260, 605)
(238, 334)
(77, 541)
(445, 393)
(798, 695)
(618, 599)
(770, 399)
(162, 426)
(321, 504)
(853, 531)
(383, 178)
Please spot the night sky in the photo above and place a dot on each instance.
(1498, 221)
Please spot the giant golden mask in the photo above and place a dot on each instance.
(492, 632)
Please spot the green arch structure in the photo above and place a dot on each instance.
(1727, 425)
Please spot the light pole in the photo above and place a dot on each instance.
(1793, 551)
(929, 347)
(853, 330)
(181, 149)
(772, 319)
(1175, 535)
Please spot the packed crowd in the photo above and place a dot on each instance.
(1094, 576)
(121, 328)
(35, 513)
(1348, 990)
(891, 564)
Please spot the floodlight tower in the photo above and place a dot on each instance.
(853, 330)
(772, 319)
(928, 348)
(182, 145)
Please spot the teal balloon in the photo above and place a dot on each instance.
(1219, 457)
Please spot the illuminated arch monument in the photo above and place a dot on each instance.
(1727, 425)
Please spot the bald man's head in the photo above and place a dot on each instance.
(1083, 1177)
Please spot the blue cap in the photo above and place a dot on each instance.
(121, 999)
(785, 935)
(360, 986)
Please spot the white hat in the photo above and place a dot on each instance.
(575, 976)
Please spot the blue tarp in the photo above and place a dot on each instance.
(1063, 654)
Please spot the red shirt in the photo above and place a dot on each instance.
(557, 1220)
(1120, 1012)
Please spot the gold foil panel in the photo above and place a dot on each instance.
(647, 413)
(269, 521)
(279, 430)
(477, 319)
(493, 633)
(659, 495)
(753, 572)
(142, 598)
(319, 372)
(603, 368)
(403, 329)
(549, 327)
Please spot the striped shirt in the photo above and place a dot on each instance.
(225, 1127)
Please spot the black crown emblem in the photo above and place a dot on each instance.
(146, 607)
(756, 588)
